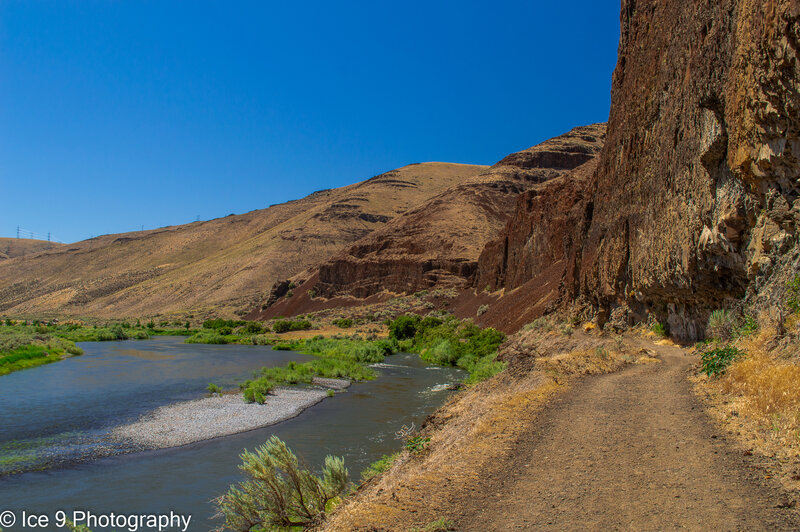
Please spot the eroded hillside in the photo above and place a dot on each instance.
(220, 266)
(19, 247)
(437, 244)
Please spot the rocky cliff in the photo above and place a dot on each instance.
(438, 242)
(693, 199)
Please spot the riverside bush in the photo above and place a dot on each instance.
(256, 390)
(363, 351)
(282, 326)
(218, 323)
(206, 337)
(277, 493)
(451, 342)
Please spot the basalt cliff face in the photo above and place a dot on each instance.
(437, 244)
(694, 198)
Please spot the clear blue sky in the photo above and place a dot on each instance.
(118, 114)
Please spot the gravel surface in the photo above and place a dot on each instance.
(212, 417)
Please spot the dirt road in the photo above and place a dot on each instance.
(631, 450)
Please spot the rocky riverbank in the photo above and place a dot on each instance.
(218, 415)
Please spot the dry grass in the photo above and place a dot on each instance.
(223, 265)
(758, 400)
(763, 390)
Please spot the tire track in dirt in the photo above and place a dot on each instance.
(628, 450)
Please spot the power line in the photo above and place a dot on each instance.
(33, 235)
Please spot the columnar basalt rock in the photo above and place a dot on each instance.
(695, 193)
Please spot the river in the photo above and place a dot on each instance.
(52, 418)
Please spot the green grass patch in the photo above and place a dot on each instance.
(379, 466)
(256, 390)
(26, 357)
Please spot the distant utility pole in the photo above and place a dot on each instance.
(48, 236)
(198, 218)
(142, 227)
(17, 232)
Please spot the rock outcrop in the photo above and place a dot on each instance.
(438, 243)
(695, 193)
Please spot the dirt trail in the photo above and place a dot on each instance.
(629, 450)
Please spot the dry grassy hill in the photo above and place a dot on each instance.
(19, 247)
(223, 265)
(438, 243)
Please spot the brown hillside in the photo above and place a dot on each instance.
(438, 242)
(223, 265)
(19, 247)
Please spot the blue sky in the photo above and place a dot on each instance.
(121, 114)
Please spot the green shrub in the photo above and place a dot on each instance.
(450, 342)
(793, 294)
(439, 525)
(213, 388)
(282, 326)
(485, 368)
(720, 325)
(661, 329)
(253, 394)
(277, 493)
(404, 327)
(543, 323)
(747, 325)
(716, 361)
(206, 337)
(344, 323)
(105, 336)
(218, 323)
(253, 328)
(417, 444)
(141, 335)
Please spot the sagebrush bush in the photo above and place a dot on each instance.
(278, 493)
(720, 325)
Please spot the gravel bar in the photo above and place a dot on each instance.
(212, 417)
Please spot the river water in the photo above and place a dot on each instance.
(52, 418)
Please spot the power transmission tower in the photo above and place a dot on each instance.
(17, 232)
